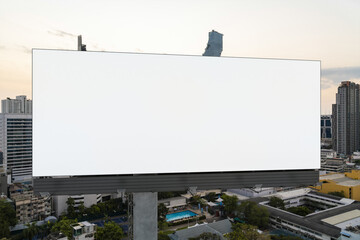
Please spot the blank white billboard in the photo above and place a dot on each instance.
(98, 113)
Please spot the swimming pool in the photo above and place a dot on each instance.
(179, 215)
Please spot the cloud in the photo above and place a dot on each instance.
(61, 33)
(25, 49)
(330, 81)
(334, 76)
(2, 47)
(96, 47)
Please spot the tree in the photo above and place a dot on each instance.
(163, 195)
(301, 210)
(162, 211)
(64, 226)
(162, 224)
(95, 211)
(277, 202)
(211, 197)
(253, 214)
(7, 218)
(163, 236)
(71, 208)
(243, 231)
(45, 229)
(81, 209)
(110, 231)
(338, 194)
(230, 203)
(31, 231)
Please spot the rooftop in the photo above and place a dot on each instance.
(340, 179)
(220, 228)
(342, 217)
(323, 221)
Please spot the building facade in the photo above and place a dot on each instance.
(326, 129)
(347, 114)
(16, 145)
(60, 205)
(29, 207)
(334, 127)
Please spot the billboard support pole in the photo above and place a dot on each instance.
(143, 205)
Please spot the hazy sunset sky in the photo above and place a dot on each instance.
(325, 30)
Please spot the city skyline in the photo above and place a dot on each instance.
(323, 30)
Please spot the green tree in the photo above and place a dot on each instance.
(44, 229)
(277, 202)
(162, 211)
(163, 195)
(195, 200)
(301, 210)
(64, 226)
(163, 236)
(253, 214)
(243, 231)
(95, 211)
(71, 208)
(7, 218)
(211, 197)
(338, 194)
(31, 231)
(230, 203)
(162, 225)
(110, 231)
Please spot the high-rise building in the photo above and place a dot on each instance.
(16, 138)
(18, 105)
(334, 127)
(215, 44)
(347, 117)
(326, 127)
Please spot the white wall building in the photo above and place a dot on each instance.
(328, 153)
(174, 204)
(60, 206)
(253, 192)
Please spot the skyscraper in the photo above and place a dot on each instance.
(16, 137)
(18, 105)
(347, 115)
(215, 44)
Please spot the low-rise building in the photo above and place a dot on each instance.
(175, 203)
(348, 183)
(333, 164)
(257, 191)
(60, 205)
(329, 220)
(80, 231)
(29, 207)
(328, 153)
(219, 228)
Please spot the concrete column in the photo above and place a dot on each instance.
(145, 215)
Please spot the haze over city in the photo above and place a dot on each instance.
(321, 30)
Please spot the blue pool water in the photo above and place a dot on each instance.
(179, 215)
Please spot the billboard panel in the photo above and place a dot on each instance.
(100, 113)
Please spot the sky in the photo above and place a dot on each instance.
(325, 30)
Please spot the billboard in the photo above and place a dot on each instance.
(101, 113)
